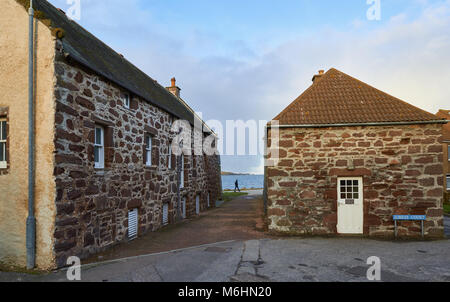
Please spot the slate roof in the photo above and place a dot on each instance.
(337, 98)
(86, 49)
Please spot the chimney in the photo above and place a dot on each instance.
(174, 89)
(318, 76)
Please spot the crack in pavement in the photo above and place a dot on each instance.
(247, 268)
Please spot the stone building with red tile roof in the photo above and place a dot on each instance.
(349, 157)
(445, 114)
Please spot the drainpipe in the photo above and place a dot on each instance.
(31, 220)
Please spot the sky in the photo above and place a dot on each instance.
(249, 59)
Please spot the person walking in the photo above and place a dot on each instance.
(236, 186)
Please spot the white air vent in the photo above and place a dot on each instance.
(165, 214)
(197, 204)
(132, 223)
(183, 207)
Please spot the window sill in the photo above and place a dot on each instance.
(151, 168)
(3, 165)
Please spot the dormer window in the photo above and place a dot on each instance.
(126, 100)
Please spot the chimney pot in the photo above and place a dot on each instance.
(317, 76)
(174, 89)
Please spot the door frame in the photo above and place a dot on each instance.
(341, 203)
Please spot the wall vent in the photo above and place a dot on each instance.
(165, 219)
(132, 224)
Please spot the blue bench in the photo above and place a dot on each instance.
(420, 218)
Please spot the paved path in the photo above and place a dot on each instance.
(239, 219)
(254, 258)
(297, 260)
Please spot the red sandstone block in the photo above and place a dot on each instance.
(434, 170)
(276, 212)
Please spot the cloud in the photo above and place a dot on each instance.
(407, 56)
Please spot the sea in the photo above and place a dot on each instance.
(245, 181)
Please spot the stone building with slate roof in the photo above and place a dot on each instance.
(349, 158)
(105, 171)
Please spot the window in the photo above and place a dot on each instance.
(148, 150)
(182, 172)
(448, 182)
(448, 152)
(126, 100)
(169, 159)
(99, 148)
(3, 151)
(349, 189)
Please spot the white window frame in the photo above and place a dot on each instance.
(148, 150)
(100, 164)
(3, 140)
(182, 172)
(126, 98)
(448, 151)
(169, 164)
(448, 182)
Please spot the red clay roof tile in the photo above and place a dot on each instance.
(337, 98)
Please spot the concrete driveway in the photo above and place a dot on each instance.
(297, 260)
(264, 259)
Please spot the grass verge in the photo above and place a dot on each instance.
(447, 209)
(228, 196)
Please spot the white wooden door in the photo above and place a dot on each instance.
(350, 205)
(197, 204)
(208, 200)
(165, 214)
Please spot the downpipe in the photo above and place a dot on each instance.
(31, 220)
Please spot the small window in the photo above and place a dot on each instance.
(169, 159)
(99, 148)
(448, 152)
(182, 172)
(148, 150)
(3, 151)
(448, 182)
(349, 189)
(126, 100)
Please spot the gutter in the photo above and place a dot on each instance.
(31, 220)
(360, 124)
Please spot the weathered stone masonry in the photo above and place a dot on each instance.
(401, 167)
(92, 205)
